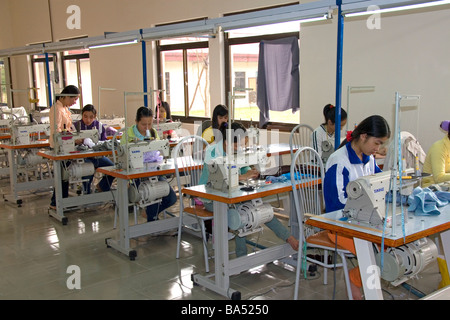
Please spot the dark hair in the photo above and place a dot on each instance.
(166, 106)
(329, 113)
(143, 112)
(219, 110)
(69, 91)
(374, 126)
(89, 108)
(238, 131)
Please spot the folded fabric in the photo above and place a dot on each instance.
(297, 176)
(88, 142)
(426, 202)
(152, 156)
(273, 179)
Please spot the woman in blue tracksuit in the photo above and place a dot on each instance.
(354, 159)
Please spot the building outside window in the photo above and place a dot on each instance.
(75, 71)
(184, 76)
(243, 53)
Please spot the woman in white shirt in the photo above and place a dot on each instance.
(325, 132)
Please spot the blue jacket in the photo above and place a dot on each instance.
(342, 167)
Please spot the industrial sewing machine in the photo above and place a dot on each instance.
(161, 127)
(64, 142)
(327, 150)
(224, 175)
(26, 133)
(366, 200)
(131, 155)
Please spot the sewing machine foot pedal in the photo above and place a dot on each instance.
(192, 279)
(132, 255)
(236, 295)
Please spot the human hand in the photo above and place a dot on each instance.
(250, 174)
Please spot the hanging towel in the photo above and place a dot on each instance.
(426, 202)
(278, 77)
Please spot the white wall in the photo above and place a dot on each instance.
(409, 54)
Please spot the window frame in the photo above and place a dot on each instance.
(34, 60)
(184, 47)
(281, 126)
(77, 57)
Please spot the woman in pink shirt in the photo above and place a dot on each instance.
(60, 119)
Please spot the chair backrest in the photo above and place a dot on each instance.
(307, 173)
(205, 124)
(300, 137)
(189, 156)
(410, 149)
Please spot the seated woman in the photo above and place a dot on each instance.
(354, 159)
(139, 131)
(437, 161)
(326, 131)
(217, 149)
(163, 115)
(88, 122)
(220, 115)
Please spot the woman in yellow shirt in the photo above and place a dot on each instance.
(437, 161)
(220, 115)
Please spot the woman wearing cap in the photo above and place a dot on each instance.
(437, 161)
(354, 159)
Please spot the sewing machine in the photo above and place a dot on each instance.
(253, 136)
(366, 198)
(224, 175)
(327, 150)
(166, 126)
(64, 142)
(132, 154)
(23, 134)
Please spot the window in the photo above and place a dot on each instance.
(242, 70)
(3, 84)
(39, 71)
(184, 79)
(77, 71)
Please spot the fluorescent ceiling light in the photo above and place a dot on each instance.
(112, 44)
(408, 7)
(324, 17)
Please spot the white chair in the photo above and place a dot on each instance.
(300, 137)
(307, 167)
(188, 155)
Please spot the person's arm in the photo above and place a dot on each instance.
(102, 128)
(439, 158)
(316, 142)
(334, 187)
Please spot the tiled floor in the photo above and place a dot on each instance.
(36, 251)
